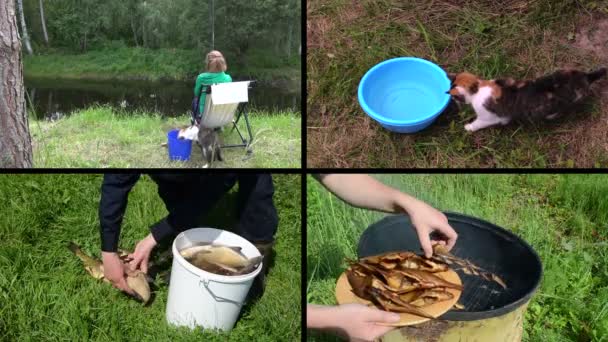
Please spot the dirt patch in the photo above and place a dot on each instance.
(588, 142)
(352, 12)
(334, 145)
(317, 28)
(593, 38)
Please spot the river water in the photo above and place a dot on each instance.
(52, 98)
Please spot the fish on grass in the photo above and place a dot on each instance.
(220, 259)
(137, 282)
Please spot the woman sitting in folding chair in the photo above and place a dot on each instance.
(216, 73)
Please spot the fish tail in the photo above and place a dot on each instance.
(256, 260)
(74, 248)
(596, 75)
(78, 252)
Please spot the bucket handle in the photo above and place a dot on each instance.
(217, 298)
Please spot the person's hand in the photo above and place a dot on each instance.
(362, 323)
(426, 220)
(115, 271)
(141, 255)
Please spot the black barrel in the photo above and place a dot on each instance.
(484, 244)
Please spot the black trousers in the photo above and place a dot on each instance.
(189, 197)
(188, 202)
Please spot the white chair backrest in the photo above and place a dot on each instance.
(233, 92)
(222, 103)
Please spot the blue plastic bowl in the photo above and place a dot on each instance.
(404, 94)
(179, 149)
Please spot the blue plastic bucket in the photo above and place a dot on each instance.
(404, 94)
(179, 149)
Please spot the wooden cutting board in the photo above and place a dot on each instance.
(345, 295)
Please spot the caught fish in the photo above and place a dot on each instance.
(360, 283)
(459, 306)
(428, 297)
(429, 280)
(441, 254)
(199, 247)
(219, 259)
(390, 302)
(400, 282)
(137, 282)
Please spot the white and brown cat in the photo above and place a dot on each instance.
(502, 100)
(208, 139)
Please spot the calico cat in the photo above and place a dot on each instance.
(499, 101)
(209, 140)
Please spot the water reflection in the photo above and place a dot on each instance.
(53, 99)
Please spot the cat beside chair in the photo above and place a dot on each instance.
(208, 139)
(501, 100)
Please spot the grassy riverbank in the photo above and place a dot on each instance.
(563, 217)
(125, 63)
(101, 137)
(47, 295)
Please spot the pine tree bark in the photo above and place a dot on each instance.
(26, 37)
(46, 36)
(15, 140)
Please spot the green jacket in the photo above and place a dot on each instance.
(205, 79)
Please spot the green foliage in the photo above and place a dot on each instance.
(82, 25)
(561, 216)
(114, 60)
(47, 295)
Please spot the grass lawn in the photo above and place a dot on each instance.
(47, 295)
(521, 39)
(563, 217)
(100, 137)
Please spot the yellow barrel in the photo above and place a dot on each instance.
(505, 328)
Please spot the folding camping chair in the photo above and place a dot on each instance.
(222, 102)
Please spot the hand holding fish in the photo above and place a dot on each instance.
(141, 255)
(115, 271)
(426, 220)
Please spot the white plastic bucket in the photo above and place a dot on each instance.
(200, 298)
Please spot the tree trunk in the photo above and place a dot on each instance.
(134, 32)
(43, 22)
(26, 37)
(143, 30)
(15, 140)
(278, 42)
(49, 105)
(289, 34)
(83, 44)
(212, 14)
